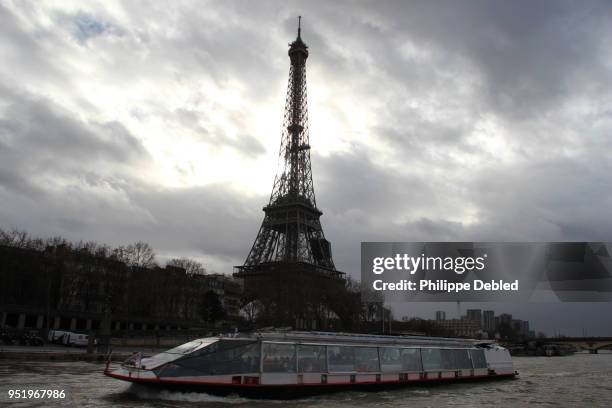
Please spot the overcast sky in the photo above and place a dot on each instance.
(456, 120)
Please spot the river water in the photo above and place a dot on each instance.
(581, 380)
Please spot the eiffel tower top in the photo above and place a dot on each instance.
(298, 46)
(293, 182)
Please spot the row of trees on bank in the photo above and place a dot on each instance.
(139, 254)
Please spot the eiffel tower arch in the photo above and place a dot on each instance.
(289, 268)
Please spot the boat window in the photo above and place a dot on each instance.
(453, 359)
(390, 359)
(177, 352)
(463, 359)
(432, 359)
(222, 357)
(311, 359)
(478, 358)
(189, 347)
(366, 359)
(279, 358)
(411, 359)
(341, 358)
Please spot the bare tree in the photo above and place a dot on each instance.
(14, 238)
(88, 246)
(139, 254)
(57, 241)
(103, 251)
(37, 244)
(191, 266)
(93, 248)
(251, 308)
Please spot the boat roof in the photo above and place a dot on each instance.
(354, 338)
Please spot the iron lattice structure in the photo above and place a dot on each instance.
(291, 232)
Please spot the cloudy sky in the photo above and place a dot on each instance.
(446, 120)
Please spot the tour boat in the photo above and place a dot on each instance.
(293, 364)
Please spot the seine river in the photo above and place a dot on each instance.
(581, 380)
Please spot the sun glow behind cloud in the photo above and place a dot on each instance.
(192, 125)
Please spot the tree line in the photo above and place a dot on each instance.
(138, 254)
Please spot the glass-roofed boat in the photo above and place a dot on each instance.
(293, 364)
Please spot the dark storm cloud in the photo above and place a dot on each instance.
(363, 201)
(405, 140)
(561, 198)
(529, 55)
(37, 128)
(356, 181)
(41, 144)
(215, 220)
(213, 223)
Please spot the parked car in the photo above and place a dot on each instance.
(22, 338)
(31, 339)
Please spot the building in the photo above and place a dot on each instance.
(440, 315)
(475, 315)
(488, 321)
(460, 327)
(227, 288)
(505, 319)
(520, 327)
(525, 332)
(65, 289)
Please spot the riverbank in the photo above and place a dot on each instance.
(60, 353)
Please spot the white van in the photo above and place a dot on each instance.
(56, 336)
(75, 339)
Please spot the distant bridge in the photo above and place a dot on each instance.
(592, 344)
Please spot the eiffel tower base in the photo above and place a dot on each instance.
(294, 294)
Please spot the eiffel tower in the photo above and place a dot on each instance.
(290, 269)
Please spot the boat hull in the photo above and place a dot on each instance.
(292, 391)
